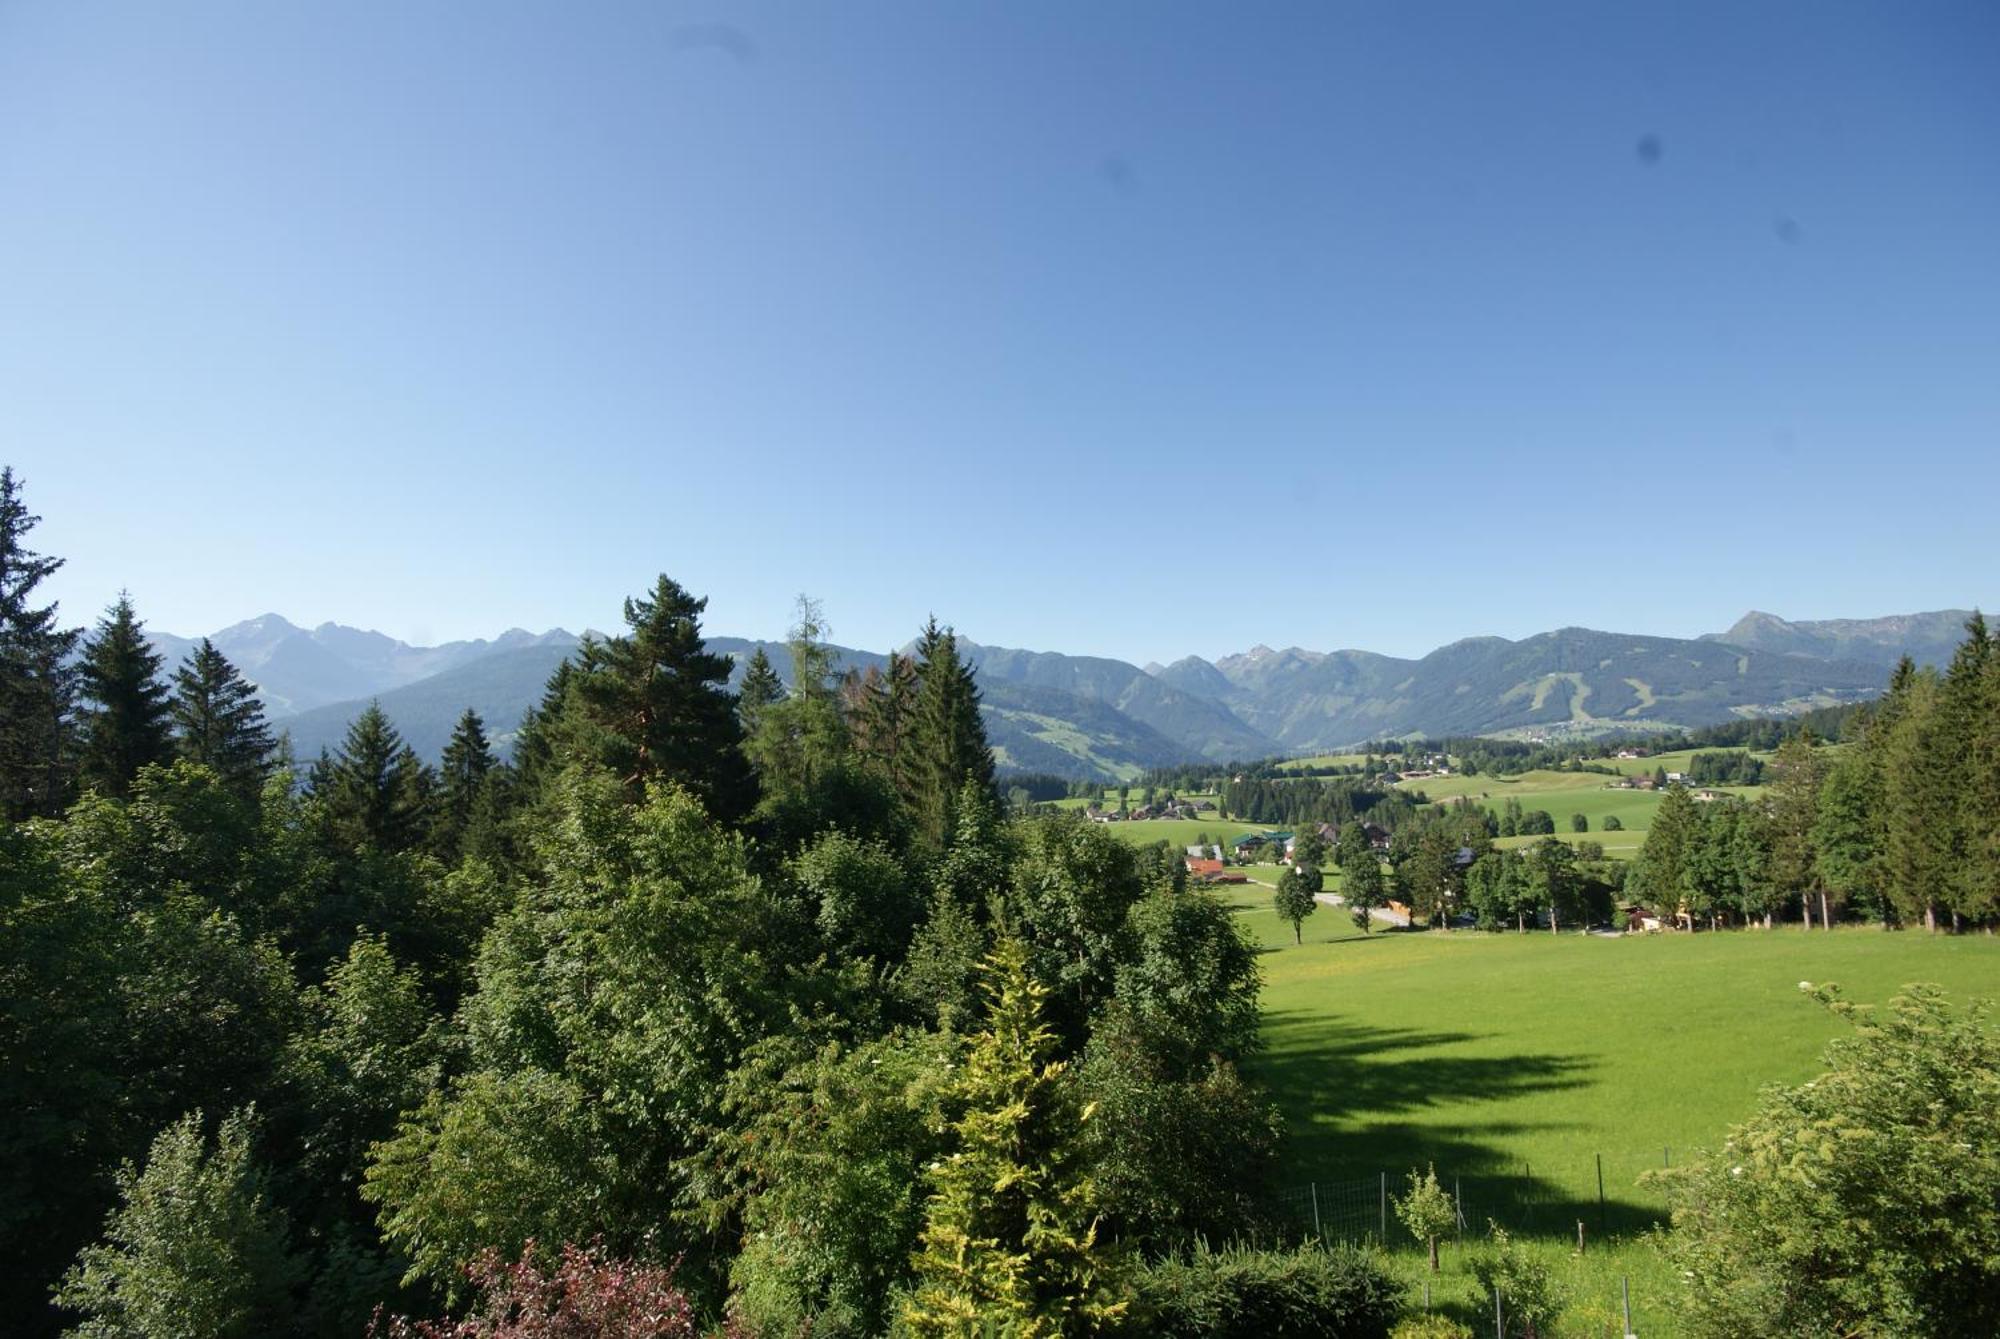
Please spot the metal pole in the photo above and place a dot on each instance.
(1385, 1209)
(1499, 1331)
(1600, 1192)
(1625, 1287)
(1667, 1155)
(1316, 1228)
(1427, 1297)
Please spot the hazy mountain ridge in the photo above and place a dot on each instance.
(1928, 638)
(1092, 715)
(297, 670)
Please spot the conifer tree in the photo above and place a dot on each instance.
(1796, 775)
(127, 725)
(373, 787)
(947, 738)
(218, 721)
(1920, 801)
(797, 741)
(462, 783)
(880, 707)
(1962, 712)
(536, 754)
(1009, 1246)
(761, 688)
(36, 682)
(660, 705)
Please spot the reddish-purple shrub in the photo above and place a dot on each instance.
(589, 1294)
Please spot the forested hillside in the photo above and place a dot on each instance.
(716, 1007)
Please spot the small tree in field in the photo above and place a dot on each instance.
(1363, 888)
(1427, 1211)
(1530, 1297)
(1295, 900)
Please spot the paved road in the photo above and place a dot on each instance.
(1382, 914)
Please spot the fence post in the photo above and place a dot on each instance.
(1317, 1232)
(1667, 1155)
(1625, 1287)
(1600, 1192)
(1458, 1201)
(1384, 1238)
(1499, 1330)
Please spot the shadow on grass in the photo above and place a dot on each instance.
(1341, 1087)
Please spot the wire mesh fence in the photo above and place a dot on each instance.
(1605, 1194)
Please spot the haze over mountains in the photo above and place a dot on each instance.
(1093, 716)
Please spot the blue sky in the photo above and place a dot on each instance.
(1122, 329)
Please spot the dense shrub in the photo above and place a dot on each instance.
(1335, 1292)
(1430, 1325)
(588, 1294)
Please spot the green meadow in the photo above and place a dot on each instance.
(1513, 1062)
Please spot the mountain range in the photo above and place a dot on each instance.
(1093, 716)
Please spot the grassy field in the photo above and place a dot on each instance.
(1324, 760)
(1181, 831)
(1677, 761)
(1513, 1062)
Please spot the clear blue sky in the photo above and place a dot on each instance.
(1127, 329)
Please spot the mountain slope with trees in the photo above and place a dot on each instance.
(1091, 716)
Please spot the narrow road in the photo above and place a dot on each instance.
(1382, 914)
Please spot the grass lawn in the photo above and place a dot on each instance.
(1512, 1062)
(1182, 831)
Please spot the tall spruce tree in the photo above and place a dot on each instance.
(947, 738)
(218, 721)
(462, 784)
(36, 681)
(1963, 709)
(1797, 772)
(660, 705)
(761, 688)
(373, 787)
(537, 752)
(127, 725)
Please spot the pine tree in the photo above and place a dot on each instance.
(1962, 712)
(36, 683)
(462, 784)
(660, 703)
(218, 721)
(947, 737)
(1008, 1244)
(128, 725)
(1796, 775)
(761, 688)
(880, 708)
(1920, 801)
(374, 787)
(1659, 877)
(537, 757)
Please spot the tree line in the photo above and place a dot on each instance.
(1894, 827)
(738, 1009)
